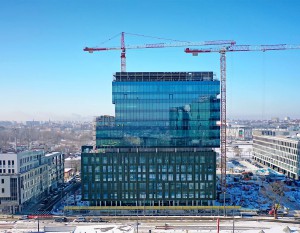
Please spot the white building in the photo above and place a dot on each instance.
(24, 177)
(238, 132)
(55, 161)
(279, 150)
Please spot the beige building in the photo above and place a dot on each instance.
(74, 163)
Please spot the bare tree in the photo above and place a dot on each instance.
(237, 151)
(249, 150)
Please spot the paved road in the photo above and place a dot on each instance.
(67, 190)
(154, 225)
(34, 208)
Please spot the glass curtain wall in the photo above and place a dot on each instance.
(152, 112)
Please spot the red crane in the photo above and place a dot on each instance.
(223, 50)
(124, 47)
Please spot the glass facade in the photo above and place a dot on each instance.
(157, 150)
(153, 112)
(162, 178)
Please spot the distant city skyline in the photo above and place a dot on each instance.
(79, 118)
(46, 75)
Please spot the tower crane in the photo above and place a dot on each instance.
(223, 50)
(124, 47)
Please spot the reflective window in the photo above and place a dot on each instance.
(162, 113)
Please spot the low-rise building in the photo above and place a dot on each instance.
(68, 173)
(74, 163)
(238, 132)
(279, 150)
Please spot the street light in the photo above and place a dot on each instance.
(224, 203)
(38, 219)
(137, 218)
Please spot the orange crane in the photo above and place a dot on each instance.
(223, 50)
(124, 47)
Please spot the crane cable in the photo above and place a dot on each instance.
(135, 34)
(154, 37)
(110, 38)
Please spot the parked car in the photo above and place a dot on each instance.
(63, 219)
(45, 201)
(80, 219)
(23, 217)
(97, 220)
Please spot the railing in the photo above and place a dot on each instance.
(151, 207)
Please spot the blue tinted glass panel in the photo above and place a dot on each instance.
(158, 113)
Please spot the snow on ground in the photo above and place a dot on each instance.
(105, 229)
(273, 230)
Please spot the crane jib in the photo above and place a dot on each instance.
(159, 45)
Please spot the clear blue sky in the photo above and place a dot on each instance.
(45, 74)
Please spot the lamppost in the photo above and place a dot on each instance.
(224, 203)
(137, 218)
(38, 219)
(232, 222)
(144, 205)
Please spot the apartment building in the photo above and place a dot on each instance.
(55, 167)
(25, 178)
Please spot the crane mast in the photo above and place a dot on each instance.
(123, 53)
(223, 120)
(223, 50)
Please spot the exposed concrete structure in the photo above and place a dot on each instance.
(238, 132)
(279, 150)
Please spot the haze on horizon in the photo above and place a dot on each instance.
(46, 75)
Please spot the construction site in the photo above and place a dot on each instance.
(150, 116)
(240, 184)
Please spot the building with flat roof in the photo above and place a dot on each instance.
(74, 163)
(239, 132)
(28, 176)
(279, 150)
(158, 149)
(55, 162)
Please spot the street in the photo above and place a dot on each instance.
(157, 225)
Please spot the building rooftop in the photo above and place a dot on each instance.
(282, 134)
(162, 76)
(73, 158)
(51, 153)
(68, 169)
